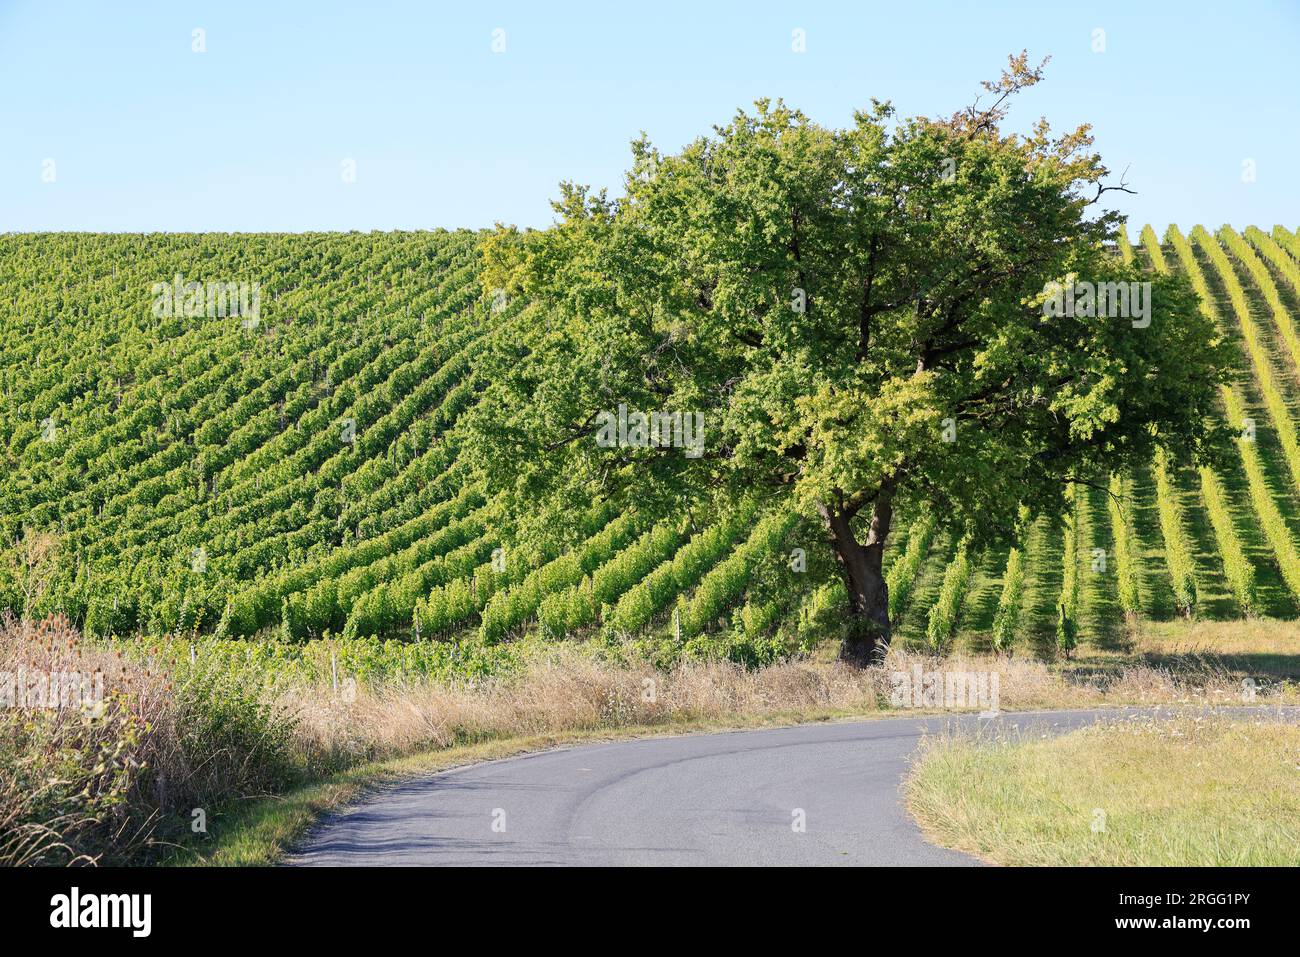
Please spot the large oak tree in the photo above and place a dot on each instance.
(858, 315)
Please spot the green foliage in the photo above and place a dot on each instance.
(1123, 243)
(1288, 239)
(638, 606)
(1010, 602)
(1119, 507)
(258, 664)
(1237, 569)
(832, 302)
(141, 439)
(821, 614)
(726, 582)
(1262, 279)
(1270, 518)
(511, 608)
(1067, 606)
(1274, 401)
(942, 620)
(901, 576)
(612, 579)
(1178, 547)
(472, 368)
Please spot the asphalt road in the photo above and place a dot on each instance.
(735, 798)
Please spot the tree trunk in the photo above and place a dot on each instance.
(860, 564)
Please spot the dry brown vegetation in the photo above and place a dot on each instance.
(117, 781)
(569, 689)
(92, 778)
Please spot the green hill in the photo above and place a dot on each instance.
(170, 463)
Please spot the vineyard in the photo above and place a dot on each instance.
(295, 475)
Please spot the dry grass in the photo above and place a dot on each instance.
(566, 688)
(67, 773)
(1241, 636)
(77, 787)
(1259, 647)
(90, 778)
(1193, 790)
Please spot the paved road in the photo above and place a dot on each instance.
(715, 799)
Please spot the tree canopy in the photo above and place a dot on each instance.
(862, 318)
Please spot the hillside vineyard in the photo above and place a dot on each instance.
(246, 436)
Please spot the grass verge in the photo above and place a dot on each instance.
(256, 752)
(1201, 790)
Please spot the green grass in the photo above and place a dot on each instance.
(1191, 791)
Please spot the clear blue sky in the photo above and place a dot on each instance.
(251, 135)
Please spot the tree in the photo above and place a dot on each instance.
(866, 320)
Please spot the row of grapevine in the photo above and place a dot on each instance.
(902, 574)
(511, 608)
(1274, 401)
(528, 575)
(1178, 547)
(1288, 239)
(254, 608)
(580, 605)
(1237, 569)
(1277, 257)
(197, 476)
(942, 621)
(188, 456)
(390, 605)
(1067, 624)
(1270, 517)
(1261, 495)
(1118, 506)
(639, 605)
(727, 581)
(1006, 619)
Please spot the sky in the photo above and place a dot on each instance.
(287, 116)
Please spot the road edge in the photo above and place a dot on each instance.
(263, 831)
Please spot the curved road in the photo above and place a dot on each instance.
(733, 798)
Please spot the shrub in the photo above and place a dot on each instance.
(106, 780)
